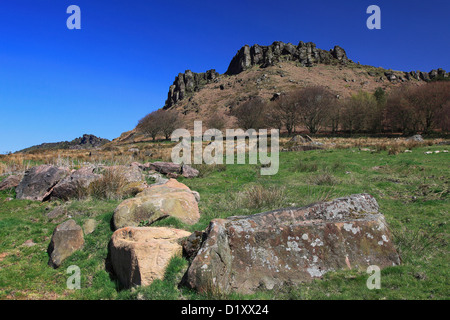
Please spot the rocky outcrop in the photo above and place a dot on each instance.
(141, 255)
(66, 239)
(10, 182)
(70, 186)
(290, 246)
(172, 199)
(187, 83)
(38, 182)
(87, 141)
(264, 56)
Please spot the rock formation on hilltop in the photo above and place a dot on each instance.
(306, 53)
(187, 83)
(87, 141)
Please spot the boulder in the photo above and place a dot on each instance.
(141, 255)
(290, 246)
(298, 139)
(189, 172)
(165, 167)
(416, 138)
(89, 226)
(66, 239)
(70, 186)
(11, 182)
(131, 173)
(38, 182)
(172, 199)
(57, 213)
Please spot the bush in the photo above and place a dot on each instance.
(324, 179)
(110, 186)
(258, 197)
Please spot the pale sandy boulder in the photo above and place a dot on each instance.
(141, 255)
(172, 199)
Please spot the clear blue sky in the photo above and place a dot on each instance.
(56, 84)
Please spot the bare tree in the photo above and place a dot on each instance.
(250, 114)
(150, 124)
(285, 110)
(314, 106)
(169, 121)
(216, 121)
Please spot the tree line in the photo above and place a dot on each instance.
(407, 109)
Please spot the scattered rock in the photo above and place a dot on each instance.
(298, 139)
(290, 246)
(165, 167)
(56, 213)
(189, 172)
(131, 173)
(70, 186)
(158, 201)
(38, 182)
(141, 255)
(417, 138)
(29, 243)
(66, 239)
(10, 182)
(89, 226)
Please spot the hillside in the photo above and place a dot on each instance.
(87, 141)
(268, 71)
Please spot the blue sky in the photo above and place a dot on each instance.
(57, 84)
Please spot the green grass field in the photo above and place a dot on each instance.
(412, 190)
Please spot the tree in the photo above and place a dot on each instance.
(423, 108)
(216, 121)
(286, 111)
(314, 106)
(250, 114)
(169, 121)
(359, 112)
(150, 124)
(159, 122)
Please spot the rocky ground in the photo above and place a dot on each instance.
(161, 230)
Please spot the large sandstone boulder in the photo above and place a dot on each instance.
(66, 239)
(172, 199)
(289, 246)
(69, 186)
(141, 255)
(10, 182)
(38, 182)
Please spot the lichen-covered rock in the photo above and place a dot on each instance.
(172, 199)
(38, 182)
(289, 246)
(141, 255)
(66, 239)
